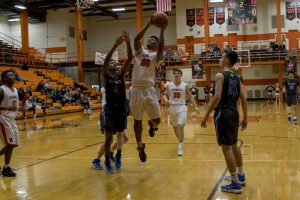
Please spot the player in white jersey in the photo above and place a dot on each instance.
(142, 95)
(9, 134)
(175, 97)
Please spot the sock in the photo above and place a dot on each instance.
(295, 119)
(289, 118)
(5, 166)
(118, 152)
(180, 145)
(234, 177)
(240, 171)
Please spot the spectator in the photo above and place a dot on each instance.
(41, 87)
(86, 103)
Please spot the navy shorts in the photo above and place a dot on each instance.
(226, 125)
(291, 100)
(113, 119)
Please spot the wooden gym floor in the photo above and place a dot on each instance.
(53, 160)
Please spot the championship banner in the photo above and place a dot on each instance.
(190, 17)
(199, 16)
(211, 15)
(291, 10)
(242, 12)
(220, 15)
(291, 64)
(197, 69)
(298, 10)
(161, 72)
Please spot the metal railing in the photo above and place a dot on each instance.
(11, 41)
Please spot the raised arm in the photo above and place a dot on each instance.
(126, 66)
(139, 36)
(118, 41)
(161, 43)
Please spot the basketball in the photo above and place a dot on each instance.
(159, 19)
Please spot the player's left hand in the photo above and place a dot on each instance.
(125, 35)
(243, 124)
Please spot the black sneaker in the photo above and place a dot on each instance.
(8, 172)
(142, 154)
(151, 130)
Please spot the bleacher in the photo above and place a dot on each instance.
(58, 80)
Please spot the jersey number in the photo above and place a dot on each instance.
(176, 95)
(145, 62)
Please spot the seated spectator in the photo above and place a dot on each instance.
(41, 87)
(48, 86)
(29, 105)
(86, 103)
(28, 90)
(21, 93)
(67, 99)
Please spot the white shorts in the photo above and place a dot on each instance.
(178, 114)
(9, 132)
(143, 99)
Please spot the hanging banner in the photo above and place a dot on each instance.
(161, 72)
(190, 17)
(197, 69)
(220, 15)
(298, 10)
(291, 64)
(199, 16)
(211, 15)
(290, 10)
(242, 12)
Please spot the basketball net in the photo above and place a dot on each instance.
(82, 4)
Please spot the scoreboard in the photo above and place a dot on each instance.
(242, 12)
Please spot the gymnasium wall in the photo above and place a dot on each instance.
(4, 25)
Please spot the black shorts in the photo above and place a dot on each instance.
(114, 119)
(226, 125)
(291, 100)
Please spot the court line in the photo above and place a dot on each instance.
(44, 160)
(214, 190)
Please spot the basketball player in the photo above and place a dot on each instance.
(270, 88)
(175, 97)
(291, 90)
(9, 110)
(96, 164)
(194, 92)
(142, 92)
(115, 116)
(226, 119)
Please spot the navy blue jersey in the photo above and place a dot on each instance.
(115, 90)
(291, 86)
(230, 90)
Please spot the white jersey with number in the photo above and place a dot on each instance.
(143, 73)
(10, 99)
(177, 93)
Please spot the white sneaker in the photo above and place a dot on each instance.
(89, 111)
(180, 149)
(180, 152)
(84, 111)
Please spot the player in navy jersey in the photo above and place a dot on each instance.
(291, 90)
(115, 112)
(9, 133)
(226, 119)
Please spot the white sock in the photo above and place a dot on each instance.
(240, 170)
(234, 177)
(180, 145)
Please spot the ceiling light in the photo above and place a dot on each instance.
(20, 7)
(95, 0)
(118, 9)
(13, 20)
(216, 1)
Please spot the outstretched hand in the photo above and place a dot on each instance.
(125, 35)
(119, 40)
